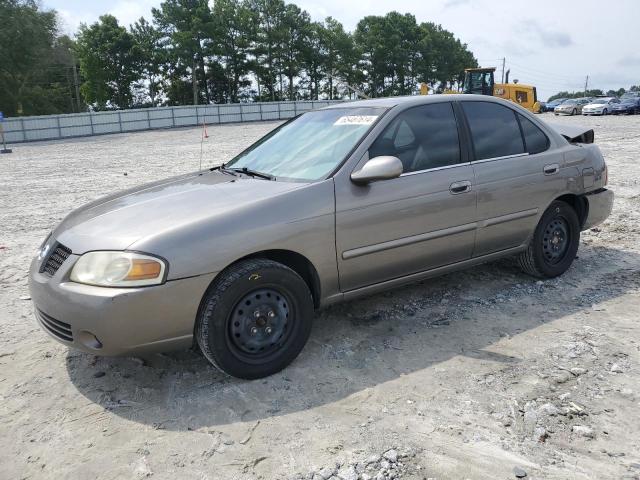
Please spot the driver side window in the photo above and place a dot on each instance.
(422, 138)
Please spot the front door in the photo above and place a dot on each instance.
(423, 219)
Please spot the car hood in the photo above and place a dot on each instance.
(117, 221)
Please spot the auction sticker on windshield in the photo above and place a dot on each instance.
(356, 120)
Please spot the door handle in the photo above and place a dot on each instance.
(551, 169)
(460, 187)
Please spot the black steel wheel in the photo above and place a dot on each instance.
(254, 319)
(554, 244)
(258, 323)
(555, 240)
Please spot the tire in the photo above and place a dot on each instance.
(604, 112)
(254, 319)
(554, 244)
(574, 112)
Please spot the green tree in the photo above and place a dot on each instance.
(269, 36)
(149, 56)
(35, 63)
(187, 26)
(295, 25)
(108, 63)
(338, 54)
(234, 27)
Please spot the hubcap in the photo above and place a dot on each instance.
(259, 322)
(555, 240)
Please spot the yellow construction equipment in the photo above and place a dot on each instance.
(481, 82)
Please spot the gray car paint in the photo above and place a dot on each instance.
(359, 239)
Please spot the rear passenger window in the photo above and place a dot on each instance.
(422, 138)
(494, 130)
(535, 141)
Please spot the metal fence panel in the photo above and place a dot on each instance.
(49, 127)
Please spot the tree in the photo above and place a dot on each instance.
(234, 27)
(269, 37)
(108, 63)
(295, 24)
(149, 57)
(338, 54)
(188, 27)
(35, 63)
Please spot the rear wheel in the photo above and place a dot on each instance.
(604, 112)
(574, 112)
(554, 243)
(255, 319)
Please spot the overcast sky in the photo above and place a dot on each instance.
(553, 44)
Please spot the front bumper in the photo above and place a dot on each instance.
(592, 112)
(600, 206)
(116, 321)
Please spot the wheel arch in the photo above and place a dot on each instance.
(294, 260)
(579, 203)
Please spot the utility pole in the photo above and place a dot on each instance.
(504, 60)
(586, 85)
(75, 83)
(195, 82)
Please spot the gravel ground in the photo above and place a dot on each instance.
(486, 373)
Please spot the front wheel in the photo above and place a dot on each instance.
(254, 319)
(554, 243)
(574, 112)
(604, 112)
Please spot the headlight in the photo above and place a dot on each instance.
(118, 269)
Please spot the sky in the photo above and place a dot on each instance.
(552, 44)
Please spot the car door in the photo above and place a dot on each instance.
(421, 220)
(516, 174)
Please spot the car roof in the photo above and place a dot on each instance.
(390, 102)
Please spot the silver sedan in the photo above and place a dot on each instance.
(337, 203)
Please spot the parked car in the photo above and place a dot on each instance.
(600, 106)
(572, 106)
(628, 105)
(337, 203)
(550, 106)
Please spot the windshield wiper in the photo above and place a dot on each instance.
(223, 168)
(253, 173)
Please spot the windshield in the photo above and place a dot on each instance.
(570, 102)
(601, 100)
(311, 146)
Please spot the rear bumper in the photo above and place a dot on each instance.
(600, 206)
(116, 321)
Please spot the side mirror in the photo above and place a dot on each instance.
(378, 168)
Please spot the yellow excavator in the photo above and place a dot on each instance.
(481, 82)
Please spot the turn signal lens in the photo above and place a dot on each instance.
(118, 269)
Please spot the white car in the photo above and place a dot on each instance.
(600, 106)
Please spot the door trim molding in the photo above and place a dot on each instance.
(489, 222)
(402, 242)
(384, 286)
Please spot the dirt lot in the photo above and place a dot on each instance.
(467, 376)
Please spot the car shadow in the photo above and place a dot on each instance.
(358, 345)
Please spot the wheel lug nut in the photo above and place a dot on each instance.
(271, 314)
(256, 314)
(268, 330)
(254, 330)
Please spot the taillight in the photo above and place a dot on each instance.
(606, 175)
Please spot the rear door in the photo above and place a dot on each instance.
(515, 173)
